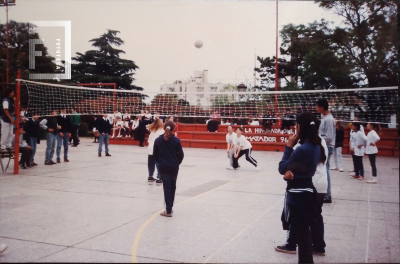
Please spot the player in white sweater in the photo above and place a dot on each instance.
(371, 150)
(230, 140)
(156, 130)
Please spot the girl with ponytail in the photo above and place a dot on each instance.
(301, 202)
(168, 153)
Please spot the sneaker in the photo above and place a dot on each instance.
(334, 168)
(165, 214)
(150, 179)
(341, 170)
(108, 155)
(351, 170)
(257, 168)
(3, 248)
(229, 168)
(318, 253)
(66, 160)
(112, 136)
(361, 178)
(352, 173)
(158, 181)
(373, 180)
(354, 176)
(328, 200)
(58, 161)
(285, 249)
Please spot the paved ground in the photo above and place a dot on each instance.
(103, 210)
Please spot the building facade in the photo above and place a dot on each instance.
(196, 83)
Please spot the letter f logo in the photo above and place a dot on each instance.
(32, 52)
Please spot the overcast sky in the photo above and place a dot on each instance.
(159, 35)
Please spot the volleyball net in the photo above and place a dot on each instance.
(378, 105)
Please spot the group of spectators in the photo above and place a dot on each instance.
(61, 130)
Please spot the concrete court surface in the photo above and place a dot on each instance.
(103, 210)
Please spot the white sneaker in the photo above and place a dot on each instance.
(229, 168)
(352, 173)
(341, 170)
(334, 168)
(351, 170)
(373, 180)
(257, 168)
(3, 248)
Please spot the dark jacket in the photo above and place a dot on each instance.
(212, 125)
(143, 123)
(65, 123)
(32, 130)
(10, 109)
(302, 162)
(339, 138)
(52, 123)
(168, 154)
(103, 126)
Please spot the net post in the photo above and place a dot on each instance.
(115, 96)
(17, 117)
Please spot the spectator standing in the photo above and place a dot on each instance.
(7, 119)
(371, 149)
(63, 134)
(327, 131)
(337, 151)
(32, 131)
(359, 142)
(104, 128)
(168, 153)
(156, 130)
(75, 121)
(50, 125)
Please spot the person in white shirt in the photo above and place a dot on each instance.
(371, 149)
(359, 142)
(352, 133)
(156, 129)
(117, 114)
(125, 127)
(255, 123)
(147, 114)
(118, 126)
(243, 147)
(135, 125)
(111, 118)
(230, 140)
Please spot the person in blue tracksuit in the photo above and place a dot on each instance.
(168, 153)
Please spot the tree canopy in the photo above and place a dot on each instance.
(362, 51)
(104, 65)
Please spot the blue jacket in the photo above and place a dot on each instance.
(168, 154)
(302, 162)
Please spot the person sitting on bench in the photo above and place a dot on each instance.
(24, 149)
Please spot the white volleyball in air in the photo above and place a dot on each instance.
(198, 44)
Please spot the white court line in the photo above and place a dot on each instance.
(369, 222)
(241, 232)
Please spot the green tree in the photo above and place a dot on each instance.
(104, 65)
(368, 39)
(18, 48)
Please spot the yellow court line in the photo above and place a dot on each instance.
(143, 227)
